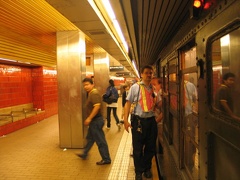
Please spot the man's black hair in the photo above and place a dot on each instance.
(146, 67)
(111, 82)
(228, 75)
(88, 80)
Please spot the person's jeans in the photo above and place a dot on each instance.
(96, 134)
(109, 115)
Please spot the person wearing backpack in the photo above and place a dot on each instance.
(113, 93)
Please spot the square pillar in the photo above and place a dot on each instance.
(71, 70)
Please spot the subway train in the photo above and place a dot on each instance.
(199, 140)
(196, 140)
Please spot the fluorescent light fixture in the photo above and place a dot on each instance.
(99, 14)
(109, 9)
(50, 72)
(101, 61)
(111, 15)
(117, 78)
(119, 31)
(217, 68)
(225, 40)
(8, 60)
(135, 67)
(23, 62)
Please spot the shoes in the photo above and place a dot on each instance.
(138, 176)
(147, 174)
(82, 156)
(121, 121)
(107, 127)
(119, 126)
(102, 162)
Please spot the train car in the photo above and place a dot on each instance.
(200, 140)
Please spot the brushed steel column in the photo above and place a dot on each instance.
(101, 75)
(71, 69)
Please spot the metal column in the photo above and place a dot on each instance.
(71, 69)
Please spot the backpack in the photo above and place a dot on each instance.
(113, 96)
(115, 93)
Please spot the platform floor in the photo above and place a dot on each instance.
(34, 153)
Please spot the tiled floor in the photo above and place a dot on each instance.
(34, 153)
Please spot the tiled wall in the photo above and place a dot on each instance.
(38, 93)
(15, 85)
(21, 85)
(50, 92)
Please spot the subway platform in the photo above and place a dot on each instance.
(34, 153)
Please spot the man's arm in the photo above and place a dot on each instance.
(123, 98)
(94, 112)
(228, 110)
(159, 117)
(126, 114)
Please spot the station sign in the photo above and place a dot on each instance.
(122, 74)
(116, 68)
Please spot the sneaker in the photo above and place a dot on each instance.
(138, 176)
(107, 127)
(119, 126)
(148, 174)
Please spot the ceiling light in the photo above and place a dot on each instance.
(3, 59)
(104, 11)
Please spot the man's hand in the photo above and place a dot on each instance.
(126, 114)
(127, 125)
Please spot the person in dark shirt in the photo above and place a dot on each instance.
(95, 122)
(124, 95)
(223, 99)
(111, 90)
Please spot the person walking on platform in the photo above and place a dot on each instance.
(112, 91)
(143, 124)
(124, 95)
(95, 122)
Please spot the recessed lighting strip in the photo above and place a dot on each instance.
(111, 15)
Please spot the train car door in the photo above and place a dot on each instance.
(223, 120)
(189, 112)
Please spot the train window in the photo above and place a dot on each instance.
(189, 59)
(189, 110)
(172, 77)
(225, 53)
(190, 94)
(172, 88)
(165, 79)
(173, 102)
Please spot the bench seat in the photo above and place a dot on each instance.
(16, 113)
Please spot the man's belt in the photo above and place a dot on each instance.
(146, 118)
